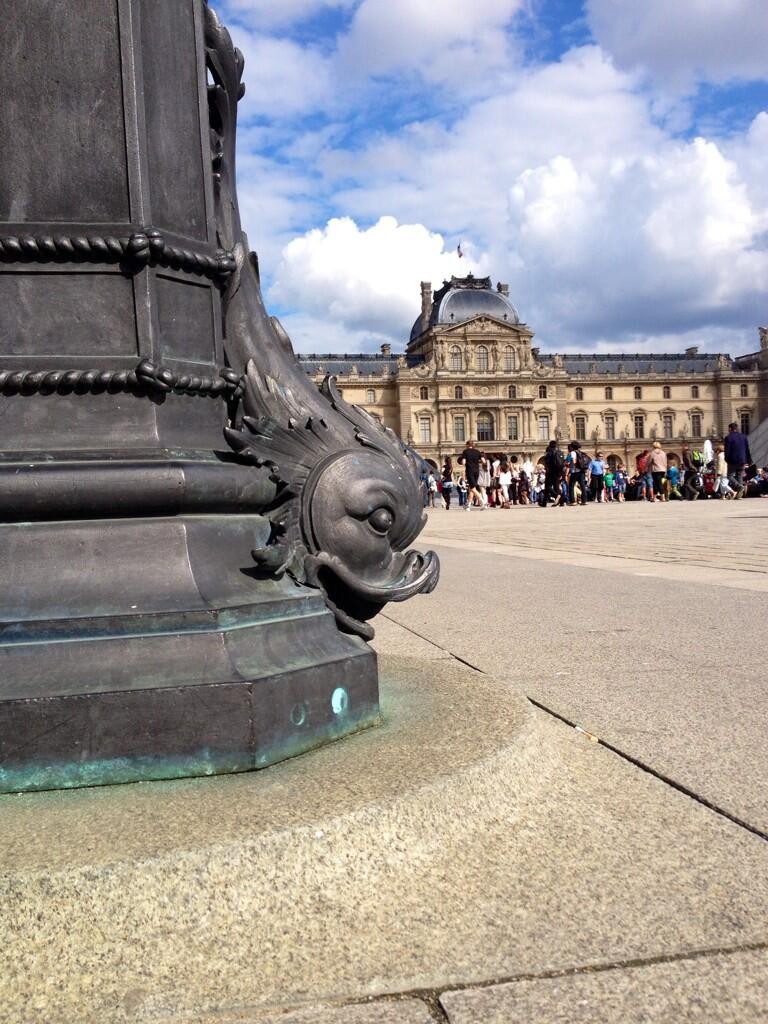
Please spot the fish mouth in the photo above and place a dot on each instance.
(354, 600)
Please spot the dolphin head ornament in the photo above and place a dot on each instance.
(348, 501)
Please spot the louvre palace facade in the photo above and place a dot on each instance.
(470, 370)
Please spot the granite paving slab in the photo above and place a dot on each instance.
(466, 840)
(726, 989)
(670, 672)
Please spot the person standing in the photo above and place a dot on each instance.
(447, 481)
(577, 462)
(657, 468)
(470, 459)
(737, 457)
(553, 469)
(597, 477)
(722, 485)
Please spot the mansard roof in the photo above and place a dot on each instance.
(643, 364)
(367, 363)
(462, 299)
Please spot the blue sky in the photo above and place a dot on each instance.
(604, 158)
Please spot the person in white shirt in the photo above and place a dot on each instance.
(505, 480)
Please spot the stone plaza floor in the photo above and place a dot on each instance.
(564, 818)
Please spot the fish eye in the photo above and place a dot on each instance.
(381, 520)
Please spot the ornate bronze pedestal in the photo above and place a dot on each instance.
(193, 537)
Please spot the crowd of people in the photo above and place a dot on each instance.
(724, 471)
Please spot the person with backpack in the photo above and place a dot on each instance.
(554, 465)
(578, 463)
(646, 479)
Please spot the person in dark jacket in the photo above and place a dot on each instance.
(737, 455)
(554, 465)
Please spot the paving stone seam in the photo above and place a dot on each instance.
(431, 997)
(629, 758)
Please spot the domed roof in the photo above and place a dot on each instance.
(463, 298)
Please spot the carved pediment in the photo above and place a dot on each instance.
(483, 324)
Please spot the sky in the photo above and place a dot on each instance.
(605, 158)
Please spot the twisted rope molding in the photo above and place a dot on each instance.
(147, 376)
(137, 251)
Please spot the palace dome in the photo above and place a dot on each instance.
(462, 299)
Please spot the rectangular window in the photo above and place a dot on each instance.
(512, 428)
(459, 431)
(668, 425)
(543, 428)
(695, 424)
(744, 420)
(639, 422)
(425, 430)
(581, 428)
(610, 428)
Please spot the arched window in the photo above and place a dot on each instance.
(485, 427)
(638, 395)
(370, 396)
(666, 391)
(744, 390)
(510, 358)
(458, 391)
(482, 357)
(423, 393)
(542, 390)
(455, 358)
(512, 391)
(694, 391)
(609, 394)
(579, 394)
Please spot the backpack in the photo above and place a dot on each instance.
(582, 460)
(554, 460)
(642, 464)
(697, 457)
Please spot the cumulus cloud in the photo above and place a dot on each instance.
(458, 42)
(366, 280)
(283, 77)
(664, 240)
(612, 231)
(684, 42)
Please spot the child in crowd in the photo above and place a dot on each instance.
(673, 482)
(610, 483)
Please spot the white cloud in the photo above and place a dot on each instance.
(282, 77)
(685, 41)
(611, 232)
(367, 279)
(456, 42)
(661, 241)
